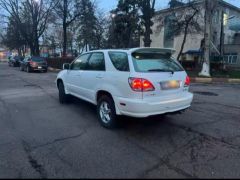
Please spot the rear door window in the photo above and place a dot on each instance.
(80, 63)
(96, 62)
(119, 60)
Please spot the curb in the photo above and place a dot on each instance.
(215, 80)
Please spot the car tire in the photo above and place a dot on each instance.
(21, 68)
(45, 71)
(28, 69)
(63, 97)
(106, 112)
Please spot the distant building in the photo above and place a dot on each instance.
(192, 50)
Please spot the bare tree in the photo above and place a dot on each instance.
(67, 11)
(31, 17)
(184, 21)
(101, 28)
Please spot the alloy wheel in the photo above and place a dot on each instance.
(105, 112)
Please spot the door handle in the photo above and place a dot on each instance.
(99, 77)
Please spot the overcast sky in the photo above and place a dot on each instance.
(107, 5)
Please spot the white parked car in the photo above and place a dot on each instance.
(138, 82)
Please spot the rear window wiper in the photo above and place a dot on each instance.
(160, 70)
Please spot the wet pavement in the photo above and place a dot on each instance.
(40, 138)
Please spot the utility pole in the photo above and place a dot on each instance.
(207, 36)
(222, 35)
(222, 39)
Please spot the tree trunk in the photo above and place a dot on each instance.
(32, 49)
(65, 28)
(208, 24)
(36, 43)
(183, 42)
(147, 35)
(148, 14)
(64, 39)
(19, 52)
(37, 48)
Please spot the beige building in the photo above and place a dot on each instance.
(164, 36)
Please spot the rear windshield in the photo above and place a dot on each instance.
(37, 59)
(17, 57)
(155, 62)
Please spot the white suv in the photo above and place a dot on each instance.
(138, 82)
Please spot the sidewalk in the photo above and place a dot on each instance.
(214, 80)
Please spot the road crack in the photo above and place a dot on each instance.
(30, 84)
(57, 140)
(208, 137)
(33, 162)
(162, 161)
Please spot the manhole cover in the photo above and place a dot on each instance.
(205, 93)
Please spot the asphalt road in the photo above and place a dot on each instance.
(40, 138)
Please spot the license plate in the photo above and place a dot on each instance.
(39, 67)
(168, 85)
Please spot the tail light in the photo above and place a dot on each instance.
(32, 63)
(141, 85)
(187, 81)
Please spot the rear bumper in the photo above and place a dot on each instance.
(44, 68)
(142, 109)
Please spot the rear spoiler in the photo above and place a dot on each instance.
(154, 50)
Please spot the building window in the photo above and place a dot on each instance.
(231, 58)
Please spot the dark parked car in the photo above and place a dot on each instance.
(15, 61)
(34, 63)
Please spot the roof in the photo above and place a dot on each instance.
(139, 50)
(224, 3)
(230, 5)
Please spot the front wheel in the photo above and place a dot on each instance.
(106, 112)
(28, 69)
(63, 97)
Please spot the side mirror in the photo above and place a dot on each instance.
(66, 66)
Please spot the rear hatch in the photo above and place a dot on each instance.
(165, 74)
